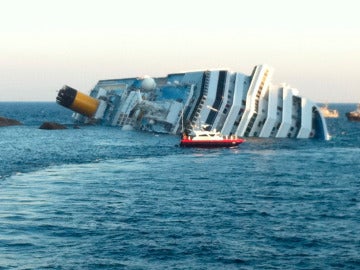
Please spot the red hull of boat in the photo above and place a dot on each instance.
(211, 143)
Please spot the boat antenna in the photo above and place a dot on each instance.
(212, 108)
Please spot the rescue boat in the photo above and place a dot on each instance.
(209, 139)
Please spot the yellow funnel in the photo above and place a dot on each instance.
(77, 101)
(84, 104)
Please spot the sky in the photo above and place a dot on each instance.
(314, 46)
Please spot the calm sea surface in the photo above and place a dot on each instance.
(101, 198)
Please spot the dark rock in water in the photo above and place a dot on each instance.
(52, 125)
(4, 122)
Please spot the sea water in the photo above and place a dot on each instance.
(100, 197)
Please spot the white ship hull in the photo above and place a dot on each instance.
(235, 103)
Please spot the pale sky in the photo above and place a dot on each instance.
(313, 45)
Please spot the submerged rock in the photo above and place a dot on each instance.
(4, 122)
(52, 125)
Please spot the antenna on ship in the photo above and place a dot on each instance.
(182, 119)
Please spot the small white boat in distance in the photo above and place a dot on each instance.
(354, 115)
(328, 113)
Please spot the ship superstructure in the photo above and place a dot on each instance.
(231, 102)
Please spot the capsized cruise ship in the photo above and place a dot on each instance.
(230, 102)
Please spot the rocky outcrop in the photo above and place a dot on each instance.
(4, 122)
(52, 125)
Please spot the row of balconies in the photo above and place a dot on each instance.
(203, 98)
(258, 93)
